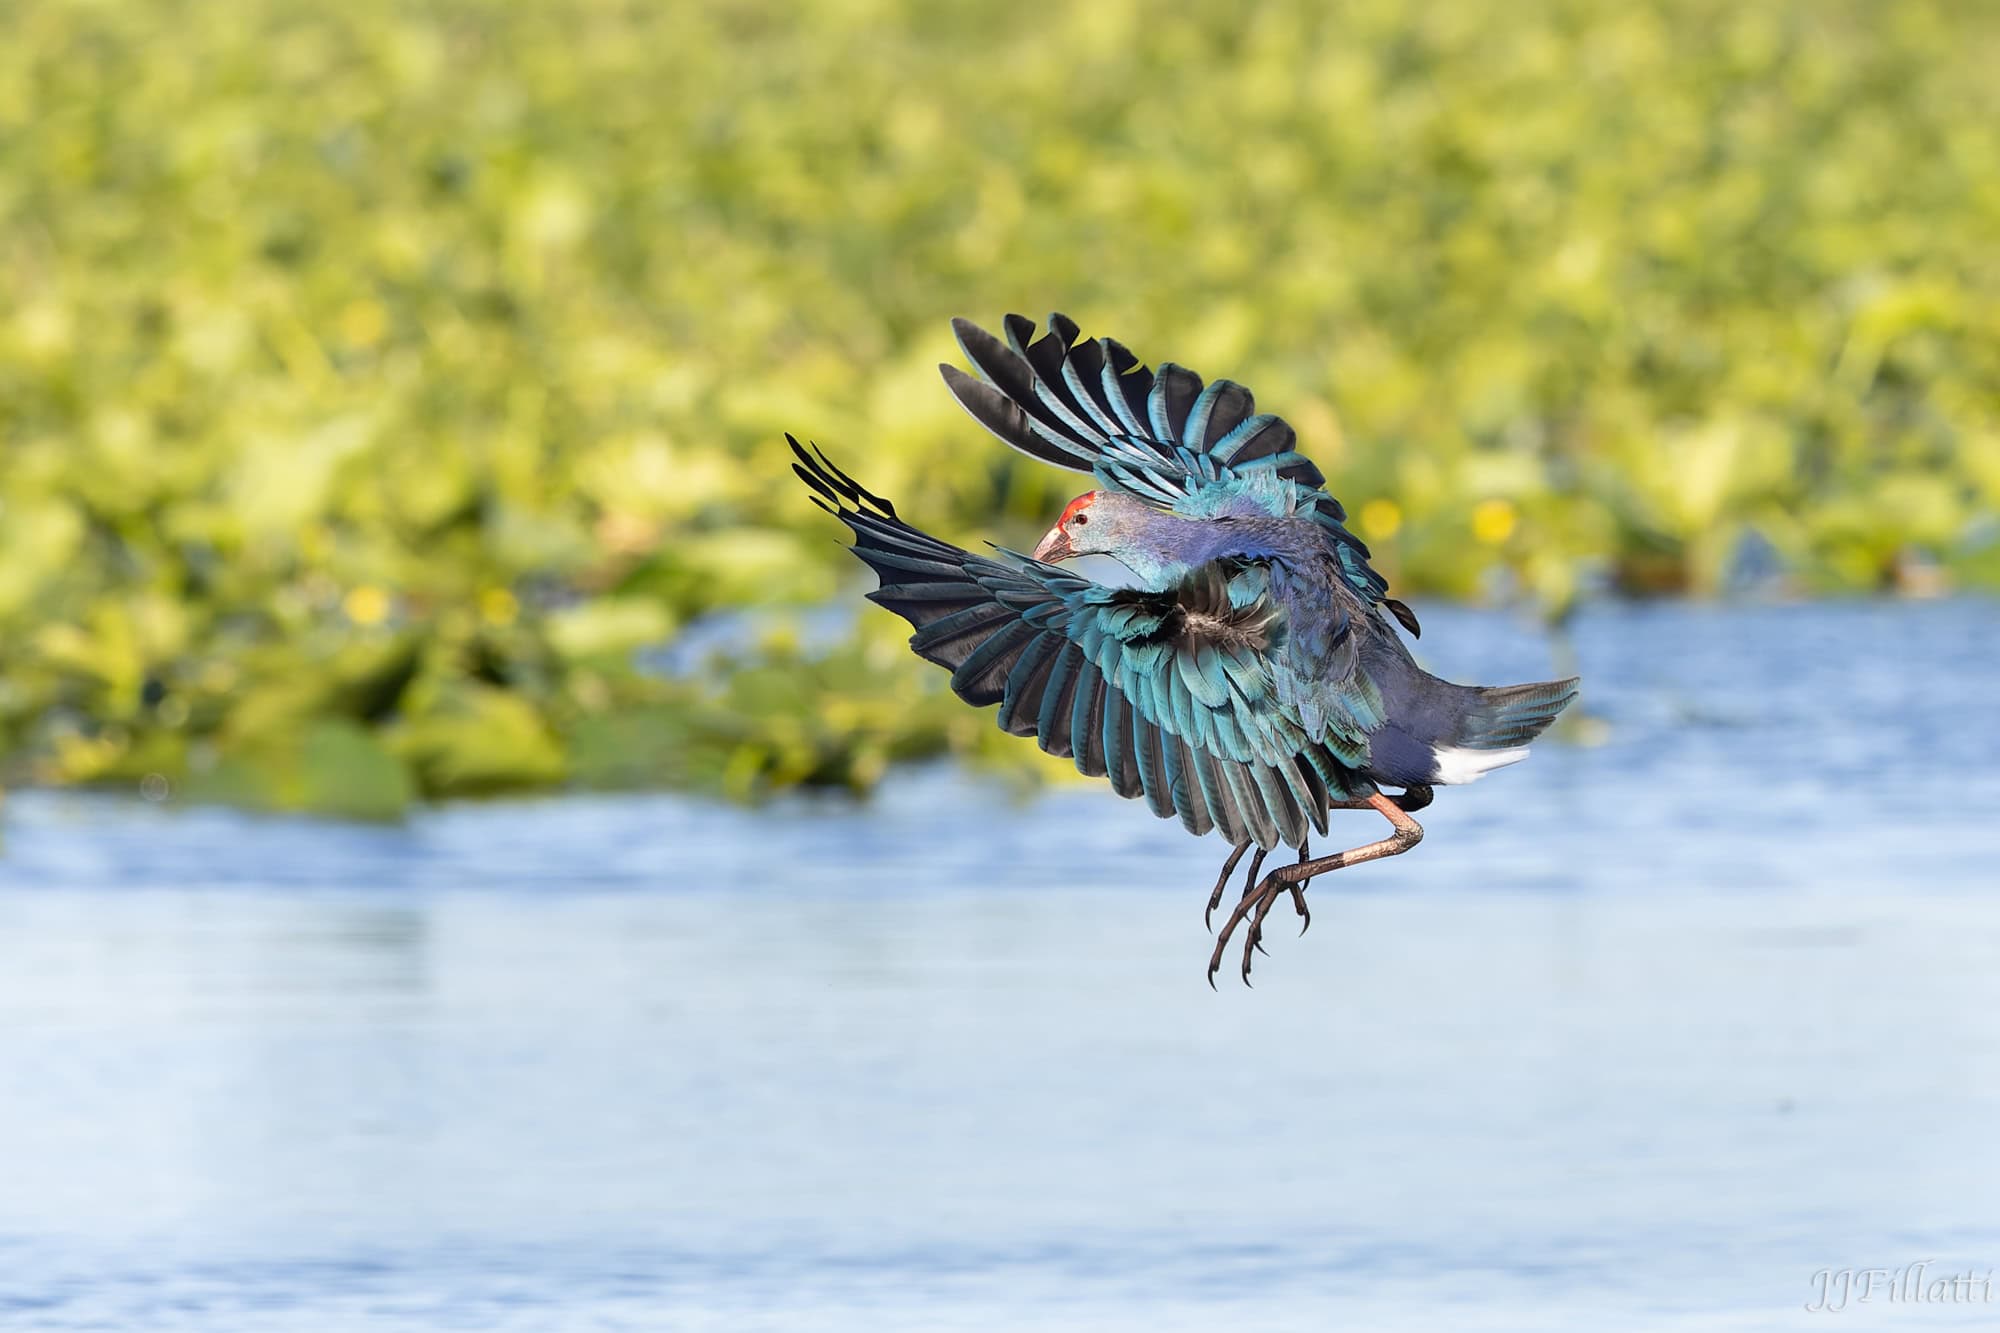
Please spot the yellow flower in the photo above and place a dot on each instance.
(366, 605)
(1381, 519)
(1493, 521)
(363, 322)
(498, 606)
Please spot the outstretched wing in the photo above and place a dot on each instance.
(1091, 406)
(1161, 436)
(1169, 694)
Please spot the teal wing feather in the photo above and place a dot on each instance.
(1163, 437)
(1174, 695)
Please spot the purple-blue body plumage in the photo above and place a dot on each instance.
(1254, 677)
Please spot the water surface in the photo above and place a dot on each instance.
(1642, 1036)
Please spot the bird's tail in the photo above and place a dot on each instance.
(1504, 717)
(1493, 725)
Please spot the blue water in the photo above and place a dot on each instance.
(1645, 1034)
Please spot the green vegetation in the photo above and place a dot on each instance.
(377, 379)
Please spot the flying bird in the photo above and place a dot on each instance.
(1252, 681)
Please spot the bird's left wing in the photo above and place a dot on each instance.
(1168, 694)
(1161, 436)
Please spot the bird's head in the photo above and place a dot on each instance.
(1095, 523)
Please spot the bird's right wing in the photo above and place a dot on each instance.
(1168, 694)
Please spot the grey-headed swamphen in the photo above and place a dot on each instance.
(1252, 681)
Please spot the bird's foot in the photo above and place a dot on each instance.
(1255, 904)
(1253, 907)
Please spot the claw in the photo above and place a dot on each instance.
(1221, 881)
(1235, 918)
(1267, 896)
(1299, 889)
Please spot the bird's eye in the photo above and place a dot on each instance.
(1080, 520)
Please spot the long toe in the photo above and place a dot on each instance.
(1250, 876)
(1266, 897)
(1299, 889)
(1221, 883)
(1229, 924)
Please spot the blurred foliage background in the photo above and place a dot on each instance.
(391, 393)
